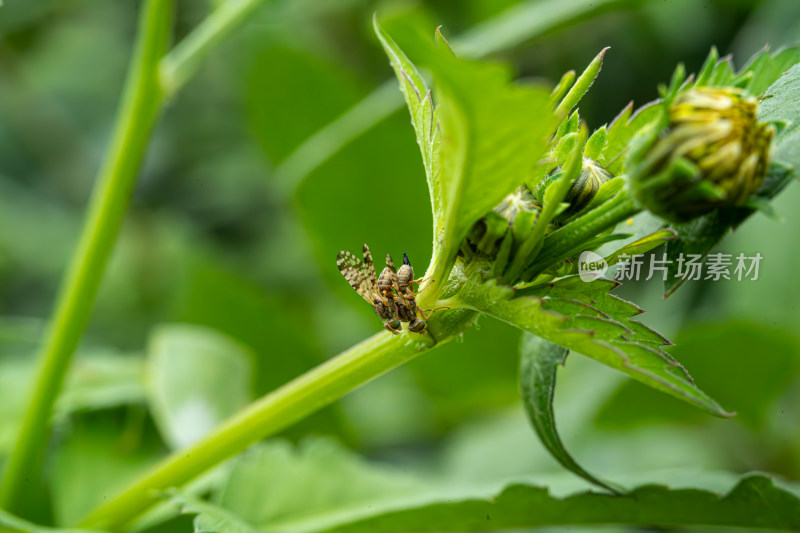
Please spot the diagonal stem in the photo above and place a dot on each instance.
(297, 399)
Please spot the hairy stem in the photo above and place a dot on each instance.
(561, 242)
(297, 399)
(138, 111)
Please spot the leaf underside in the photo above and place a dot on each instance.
(539, 360)
(585, 318)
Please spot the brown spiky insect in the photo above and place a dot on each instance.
(406, 304)
(361, 276)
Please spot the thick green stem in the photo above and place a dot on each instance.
(561, 242)
(308, 393)
(138, 110)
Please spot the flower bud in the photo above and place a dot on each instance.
(585, 187)
(520, 200)
(713, 153)
(517, 212)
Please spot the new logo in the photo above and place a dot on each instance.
(591, 266)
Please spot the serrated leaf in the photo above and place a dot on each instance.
(423, 117)
(401, 502)
(622, 130)
(584, 318)
(766, 68)
(538, 363)
(781, 103)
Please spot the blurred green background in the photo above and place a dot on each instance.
(217, 237)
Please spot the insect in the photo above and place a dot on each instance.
(360, 274)
(406, 303)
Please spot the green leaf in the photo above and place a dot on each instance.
(643, 245)
(13, 523)
(751, 387)
(581, 86)
(323, 488)
(424, 118)
(584, 318)
(98, 379)
(521, 506)
(95, 459)
(621, 132)
(766, 68)
(493, 134)
(196, 378)
(539, 360)
(782, 104)
(520, 22)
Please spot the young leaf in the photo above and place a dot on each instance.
(539, 360)
(423, 117)
(581, 86)
(494, 132)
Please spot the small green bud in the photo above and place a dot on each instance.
(713, 153)
(583, 189)
(487, 234)
(520, 200)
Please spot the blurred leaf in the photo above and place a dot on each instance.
(276, 490)
(276, 482)
(94, 461)
(284, 101)
(462, 382)
(196, 379)
(13, 523)
(583, 317)
(277, 324)
(520, 22)
(521, 505)
(537, 382)
(385, 203)
(98, 379)
(767, 68)
(101, 379)
(750, 385)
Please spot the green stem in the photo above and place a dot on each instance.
(137, 113)
(308, 393)
(561, 242)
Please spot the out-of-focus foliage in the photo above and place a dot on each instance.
(214, 241)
